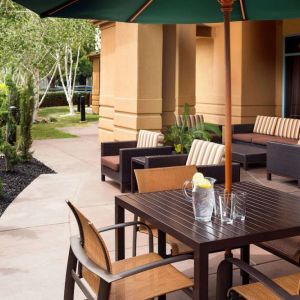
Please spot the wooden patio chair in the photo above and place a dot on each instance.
(163, 179)
(141, 277)
(285, 287)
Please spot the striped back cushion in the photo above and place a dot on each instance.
(192, 120)
(205, 153)
(288, 128)
(265, 125)
(149, 139)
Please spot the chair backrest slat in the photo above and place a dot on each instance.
(163, 179)
(91, 241)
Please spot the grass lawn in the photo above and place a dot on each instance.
(42, 131)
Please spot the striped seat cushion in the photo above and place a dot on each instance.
(205, 153)
(192, 120)
(147, 139)
(265, 125)
(288, 128)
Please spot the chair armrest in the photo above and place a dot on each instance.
(159, 161)
(242, 128)
(273, 286)
(108, 277)
(122, 225)
(153, 265)
(113, 148)
(127, 154)
(218, 172)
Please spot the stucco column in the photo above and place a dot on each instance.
(179, 70)
(107, 82)
(138, 79)
(95, 59)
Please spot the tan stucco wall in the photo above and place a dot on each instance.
(179, 70)
(258, 70)
(131, 81)
(149, 71)
(107, 83)
(210, 73)
(252, 67)
(96, 82)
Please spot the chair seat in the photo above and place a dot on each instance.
(111, 162)
(289, 247)
(145, 285)
(177, 247)
(257, 291)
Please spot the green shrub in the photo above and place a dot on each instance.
(13, 97)
(26, 113)
(3, 96)
(11, 156)
(59, 98)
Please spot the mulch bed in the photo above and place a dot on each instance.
(14, 182)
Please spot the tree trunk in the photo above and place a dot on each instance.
(36, 78)
(71, 108)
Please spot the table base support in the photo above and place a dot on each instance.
(224, 278)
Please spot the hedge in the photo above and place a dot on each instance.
(59, 98)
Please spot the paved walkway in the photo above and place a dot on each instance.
(35, 229)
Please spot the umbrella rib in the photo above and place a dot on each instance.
(58, 8)
(139, 11)
(243, 10)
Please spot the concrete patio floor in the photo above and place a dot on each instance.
(35, 229)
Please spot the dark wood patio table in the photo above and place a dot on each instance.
(270, 215)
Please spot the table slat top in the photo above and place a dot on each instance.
(271, 214)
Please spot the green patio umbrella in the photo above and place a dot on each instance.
(175, 12)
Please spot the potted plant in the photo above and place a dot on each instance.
(181, 137)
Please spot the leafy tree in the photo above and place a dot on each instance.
(26, 113)
(31, 46)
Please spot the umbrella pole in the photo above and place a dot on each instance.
(226, 8)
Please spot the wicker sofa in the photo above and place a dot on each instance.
(116, 156)
(267, 129)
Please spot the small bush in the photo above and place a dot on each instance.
(26, 113)
(59, 98)
(11, 156)
(3, 96)
(13, 97)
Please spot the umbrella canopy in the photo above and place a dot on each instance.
(176, 12)
(164, 11)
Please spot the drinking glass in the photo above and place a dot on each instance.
(224, 207)
(240, 200)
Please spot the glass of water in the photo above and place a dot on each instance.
(239, 211)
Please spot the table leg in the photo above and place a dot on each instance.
(162, 251)
(162, 243)
(200, 275)
(224, 278)
(245, 256)
(120, 232)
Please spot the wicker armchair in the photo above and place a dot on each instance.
(207, 156)
(116, 156)
(143, 277)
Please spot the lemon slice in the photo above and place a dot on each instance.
(198, 177)
(205, 184)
